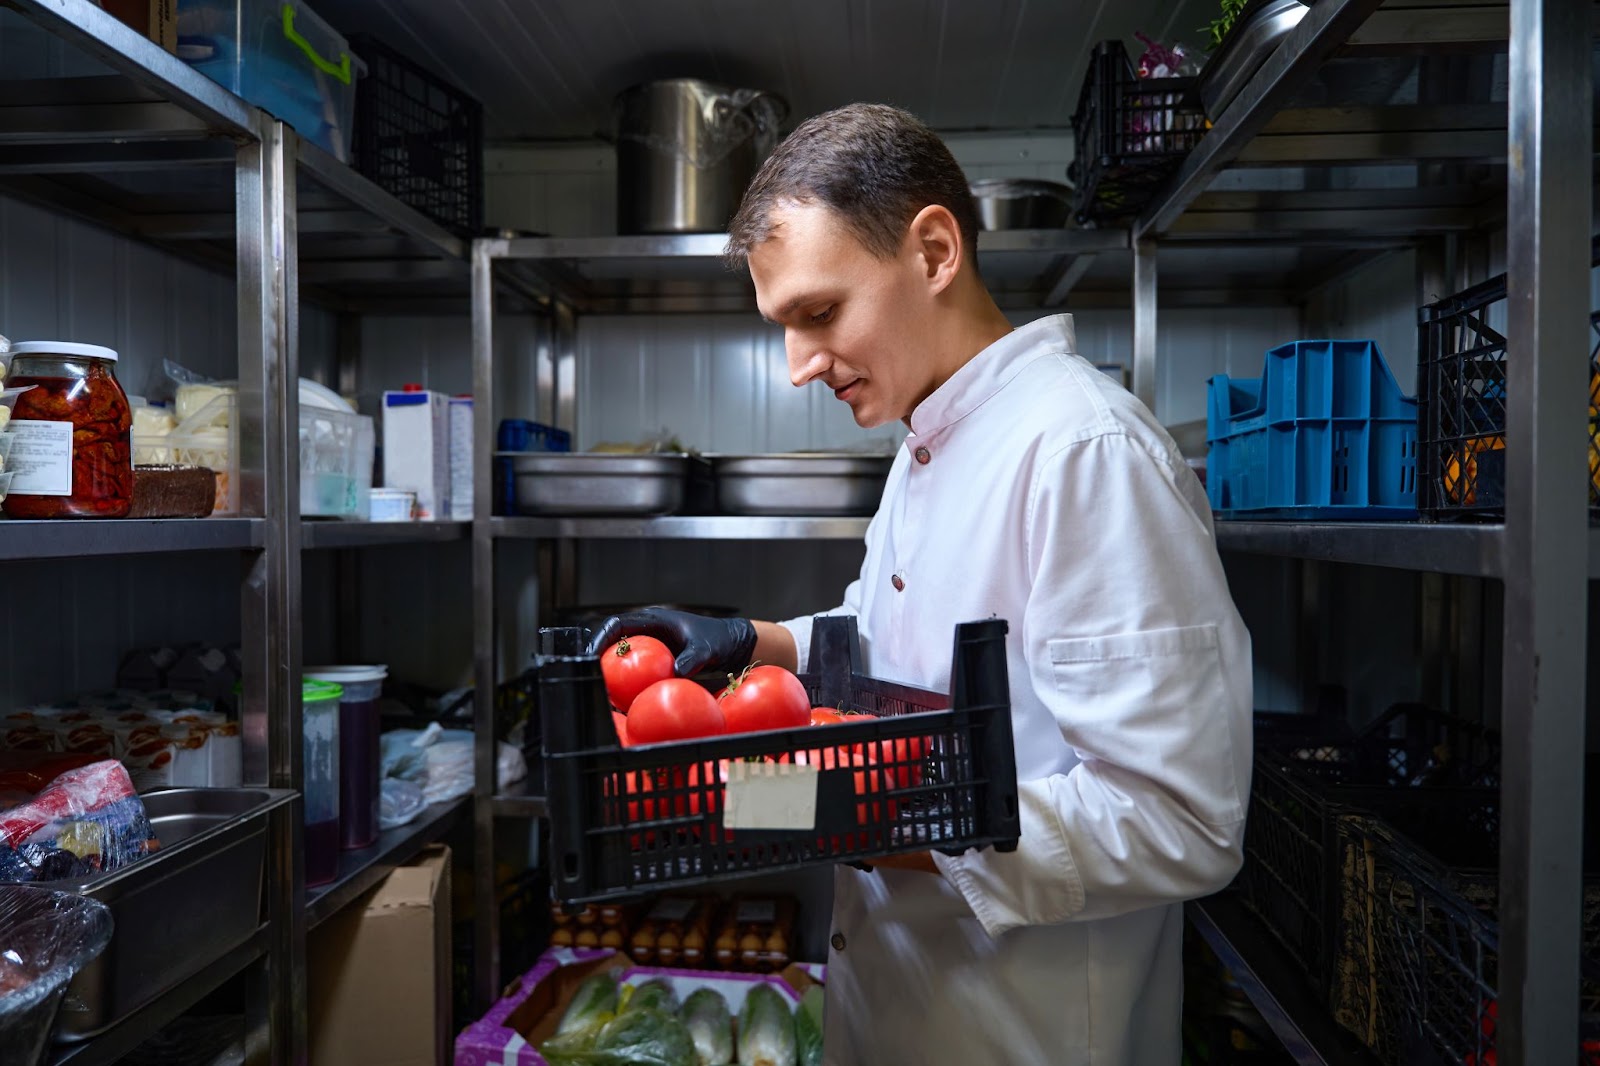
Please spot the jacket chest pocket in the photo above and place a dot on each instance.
(1156, 703)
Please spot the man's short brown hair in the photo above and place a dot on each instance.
(875, 165)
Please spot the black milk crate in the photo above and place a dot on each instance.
(1427, 771)
(1462, 397)
(419, 138)
(939, 773)
(1419, 953)
(1131, 135)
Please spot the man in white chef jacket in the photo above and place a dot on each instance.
(1033, 489)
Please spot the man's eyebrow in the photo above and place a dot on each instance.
(789, 306)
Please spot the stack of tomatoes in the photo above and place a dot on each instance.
(650, 705)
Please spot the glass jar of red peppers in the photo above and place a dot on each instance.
(71, 456)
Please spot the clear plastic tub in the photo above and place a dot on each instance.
(280, 56)
(321, 707)
(360, 773)
(48, 937)
(336, 453)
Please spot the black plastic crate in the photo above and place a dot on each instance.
(1131, 135)
(1428, 772)
(1461, 404)
(939, 773)
(1419, 953)
(419, 138)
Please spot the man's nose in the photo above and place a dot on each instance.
(805, 362)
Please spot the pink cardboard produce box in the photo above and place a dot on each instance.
(528, 1014)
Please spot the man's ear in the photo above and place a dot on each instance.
(936, 239)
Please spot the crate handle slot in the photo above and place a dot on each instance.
(339, 70)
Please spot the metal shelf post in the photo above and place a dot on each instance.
(1549, 216)
(486, 924)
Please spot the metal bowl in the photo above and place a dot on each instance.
(1018, 203)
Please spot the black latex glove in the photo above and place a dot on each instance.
(722, 644)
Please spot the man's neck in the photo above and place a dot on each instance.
(971, 325)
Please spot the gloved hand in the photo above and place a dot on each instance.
(701, 643)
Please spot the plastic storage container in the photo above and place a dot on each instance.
(420, 138)
(1324, 433)
(320, 702)
(280, 56)
(360, 776)
(336, 453)
(72, 454)
(1462, 402)
(48, 937)
(1131, 134)
(939, 772)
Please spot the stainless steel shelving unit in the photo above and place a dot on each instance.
(360, 871)
(681, 527)
(1533, 160)
(150, 148)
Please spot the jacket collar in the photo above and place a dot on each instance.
(990, 371)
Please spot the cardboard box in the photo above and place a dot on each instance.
(156, 19)
(527, 1015)
(416, 448)
(378, 972)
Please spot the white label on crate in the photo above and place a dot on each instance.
(764, 795)
(41, 458)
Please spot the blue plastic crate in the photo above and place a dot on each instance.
(1324, 433)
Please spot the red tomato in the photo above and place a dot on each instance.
(765, 697)
(825, 716)
(632, 665)
(674, 709)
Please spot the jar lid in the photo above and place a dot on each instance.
(346, 674)
(88, 351)
(319, 691)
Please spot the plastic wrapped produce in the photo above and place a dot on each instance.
(86, 821)
(45, 939)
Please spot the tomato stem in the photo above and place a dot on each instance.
(623, 647)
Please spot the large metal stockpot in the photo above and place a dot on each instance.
(686, 150)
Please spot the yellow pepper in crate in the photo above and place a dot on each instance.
(1461, 472)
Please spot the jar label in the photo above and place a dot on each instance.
(41, 458)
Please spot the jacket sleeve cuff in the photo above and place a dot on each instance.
(1037, 884)
(800, 629)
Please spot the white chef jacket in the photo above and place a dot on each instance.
(1034, 489)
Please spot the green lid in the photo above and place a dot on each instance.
(319, 691)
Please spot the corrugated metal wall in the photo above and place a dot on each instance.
(67, 620)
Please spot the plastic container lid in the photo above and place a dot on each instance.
(346, 674)
(319, 690)
(90, 351)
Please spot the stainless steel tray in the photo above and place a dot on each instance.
(817, 483)
(572, 483)
(1259, 31)
(177, 910)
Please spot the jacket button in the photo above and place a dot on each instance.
(898, 582)
(922, 456)
(837, 941)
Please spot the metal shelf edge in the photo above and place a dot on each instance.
(360, 871)
(338, 534)
(682, 527)
(359, 190)
(1473, 551)
(117, 1041)
(127, 536)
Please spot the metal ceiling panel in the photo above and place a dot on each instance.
(549, 70)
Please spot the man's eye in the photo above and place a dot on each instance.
(822, 316)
